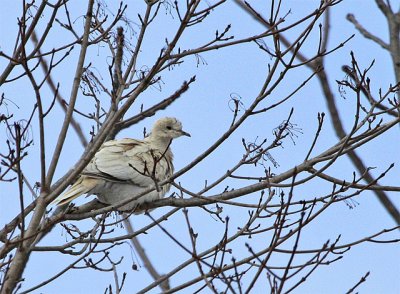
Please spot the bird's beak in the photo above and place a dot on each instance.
(184, 133)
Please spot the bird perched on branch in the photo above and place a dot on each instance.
(124, 168)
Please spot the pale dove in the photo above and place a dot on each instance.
(124, 168)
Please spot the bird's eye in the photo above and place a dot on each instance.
(169, 128)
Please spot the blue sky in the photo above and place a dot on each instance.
(205, 113)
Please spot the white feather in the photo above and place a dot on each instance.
(124, 168)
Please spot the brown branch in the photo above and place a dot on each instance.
(76, 126)
(362, 280)
(73, 97)
(14, 273)
(152, 110)
(351, 18)
(17, 52)
(317, 66)
(143, 256)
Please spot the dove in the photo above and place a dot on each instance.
(123, 168)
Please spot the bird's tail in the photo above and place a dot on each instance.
(81, 186)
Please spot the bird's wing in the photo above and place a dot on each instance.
(130, 160)
(82, 186)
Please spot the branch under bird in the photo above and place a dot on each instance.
(124, 168)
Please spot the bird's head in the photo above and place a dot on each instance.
(168, 128)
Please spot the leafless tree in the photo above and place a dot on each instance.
(112, 58)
